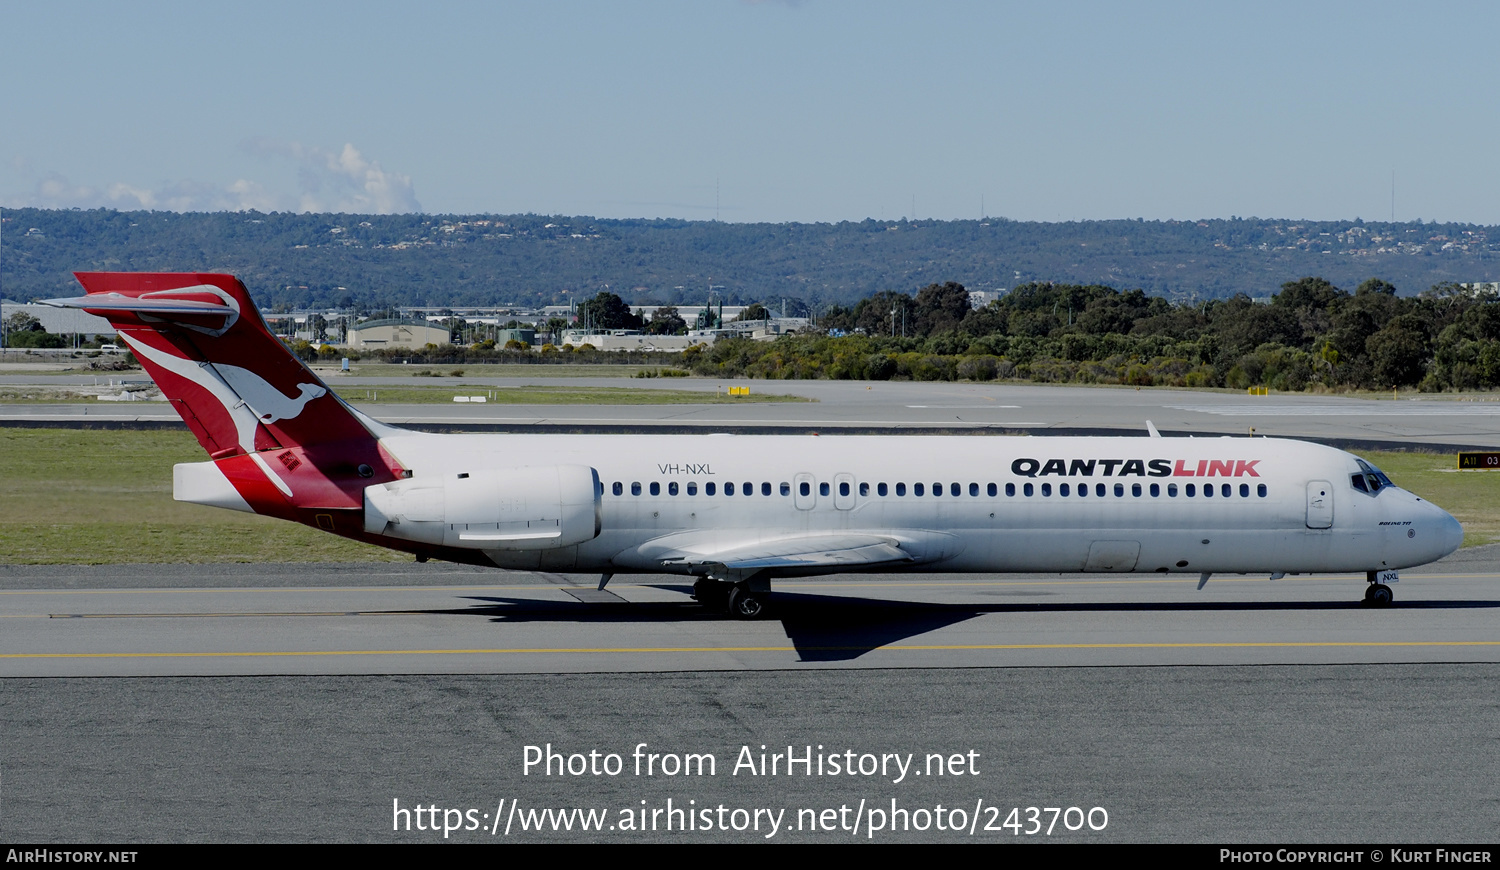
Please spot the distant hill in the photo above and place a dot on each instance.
(378, 260)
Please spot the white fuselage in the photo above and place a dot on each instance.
(1005, 504)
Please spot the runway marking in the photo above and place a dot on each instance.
(1374, 409)
(705, 649)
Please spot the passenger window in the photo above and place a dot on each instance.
(692, 488)
(882, 489)
(1062, 489)
(822, 489)
(655, 488)
(765, 489)
(1225, 490)
(1046, 489)
(955, 490)
(672, 488)
(728, 488)
(864, 490)
(1260, 490)
(1083, 489)
(1244, 490)
(1171, 490)
(1099, 489)
(974, 489)
(786, 488)
(994, 491)
(804, 488)
(1028, 490)
(1135, 490)
(749, 489)
(1155, 490)
(635, 487)
(843, 487)
(618, 488)
(710, 489)
(1119, 490)
(900, 489)
(916, 489)
(937, 489)
(1010, 489)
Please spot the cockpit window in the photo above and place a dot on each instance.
(1369, 478)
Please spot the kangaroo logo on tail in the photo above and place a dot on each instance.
(266, 401)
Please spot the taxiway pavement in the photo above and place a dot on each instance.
(1436, 422)
(387, 618)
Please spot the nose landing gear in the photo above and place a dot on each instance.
(1378, 594)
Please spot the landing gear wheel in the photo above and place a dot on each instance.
(710, 593)
(1379, 595)
(747, 603)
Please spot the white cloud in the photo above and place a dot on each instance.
(342, 181)
(58, 191)
(327, 181)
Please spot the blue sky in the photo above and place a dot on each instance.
(756, 111)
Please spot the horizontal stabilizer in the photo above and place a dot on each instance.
(118, 302)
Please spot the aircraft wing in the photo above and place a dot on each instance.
(847, 551)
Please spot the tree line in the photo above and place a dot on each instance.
(1312, 335)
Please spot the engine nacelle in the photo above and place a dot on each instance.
(538, 508)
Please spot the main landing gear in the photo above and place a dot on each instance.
(746, 599)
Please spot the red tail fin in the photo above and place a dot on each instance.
(238, 388)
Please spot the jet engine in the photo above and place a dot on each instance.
(540, 508)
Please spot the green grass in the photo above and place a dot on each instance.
(93, 497)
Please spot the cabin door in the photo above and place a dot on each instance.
(1319, 504)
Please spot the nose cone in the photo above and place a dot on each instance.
(1430, 532)
(1449, 532)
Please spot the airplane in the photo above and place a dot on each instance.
(736, 512)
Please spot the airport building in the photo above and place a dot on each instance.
(377, 334)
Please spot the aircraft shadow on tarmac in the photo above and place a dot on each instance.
(826, 628)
